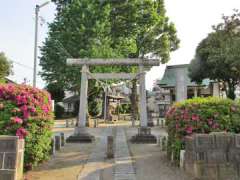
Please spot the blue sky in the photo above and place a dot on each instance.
(17, 34)
(193, 20)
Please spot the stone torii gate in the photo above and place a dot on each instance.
(80, 133)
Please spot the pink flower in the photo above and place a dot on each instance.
(21, 133)
(210, 121)
(45, 108)
(33, 109)
(24, 108)
(195, 117)
(25, 114)
(17, 120)
(186, 116)
(18, 99)
(215, 126)
(189, 130)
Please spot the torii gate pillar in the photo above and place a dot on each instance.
(82, 116)
(144, 134)
(80, 132)
(142, 93)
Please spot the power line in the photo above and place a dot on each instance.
(43, 21)
(20, 64)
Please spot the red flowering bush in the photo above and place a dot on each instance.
(200, 115)
(26, 112)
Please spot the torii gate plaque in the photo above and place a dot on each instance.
(80, 133)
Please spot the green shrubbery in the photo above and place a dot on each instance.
(27, 113)
(200, 115)
(59, 111)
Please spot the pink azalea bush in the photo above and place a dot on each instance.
(26, 112)
(200, 115)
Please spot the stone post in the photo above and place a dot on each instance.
(143, 103)
(216, 89)
(83, 98)
(195, 92)
(182, 158)
(72, 122)
(53, 150)
(181, 87)
(57, 142)
(11, 158)
(62, 139)
(110, 149)
(67, 123)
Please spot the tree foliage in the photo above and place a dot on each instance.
(217, 56)
(57, 93)
(104, 29)
(145, 24)
(5, 66)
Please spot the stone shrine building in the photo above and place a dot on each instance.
(177, 81)
(176, 86)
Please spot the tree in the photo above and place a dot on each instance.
(217, 56)
(5, 67)
(57, 93)
(80, 29)
(106, 29)
(145, 26)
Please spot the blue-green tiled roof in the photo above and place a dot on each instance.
(169, 77)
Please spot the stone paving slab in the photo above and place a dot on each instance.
(151, 162)
(94, 166)
(123, 162)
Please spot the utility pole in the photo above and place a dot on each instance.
(37, 9)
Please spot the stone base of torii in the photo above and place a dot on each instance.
(81, 135)
(144, 132)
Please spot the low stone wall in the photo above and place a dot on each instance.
(213, 156)
(11, 158)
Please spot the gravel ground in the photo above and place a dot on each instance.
(65, 165)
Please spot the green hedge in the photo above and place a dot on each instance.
(26, 112)
(200, 115)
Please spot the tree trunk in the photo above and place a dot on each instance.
(134, 102)
(230, 91)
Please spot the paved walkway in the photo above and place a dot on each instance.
(94, 167)
(150, 162)
(123, 160)
(78, 161)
